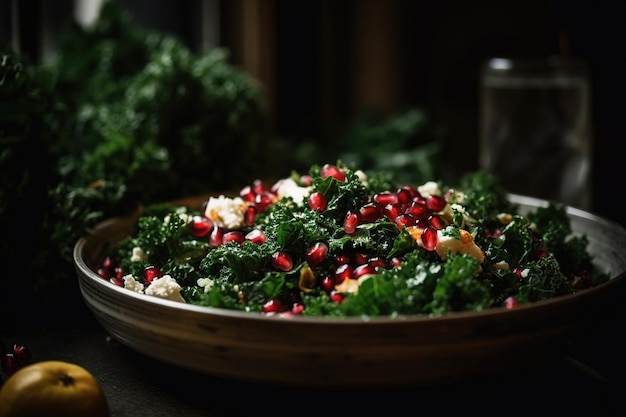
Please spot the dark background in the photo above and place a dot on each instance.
(324, 62)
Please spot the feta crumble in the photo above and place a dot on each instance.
(226, 212)
(287, 187)
(165, 287)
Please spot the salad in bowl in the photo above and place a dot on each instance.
(338, 242)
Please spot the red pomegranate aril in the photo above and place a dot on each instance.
(511, 302)
(119, 272)
(435, 202)
(116, 281)
(258, 187)
(362, 270)
(377, 262)
(248, 194)
(233, 236)
(9, 364)
(306, 180)
(249, 216)
(317, 201)
(337, 297)
(329, 170)
(436, 222)
(316, 253)
(282, 261)
(351, 221)
(404, 196)
(343, 272)
(263, 200)
(391, 211)
(418, 209)
(328, 284)
(216, 237)
(430, 239)
(297, 308)
(370, 212)
(385, 198)
(404, 220)
(22, 355)
(360, 258)
(256, 236)
(200, 226)
(104, 273)
(396, 262)
(273, 306)
(151, 273)
(107, 263)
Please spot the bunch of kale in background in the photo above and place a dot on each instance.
(121, 116)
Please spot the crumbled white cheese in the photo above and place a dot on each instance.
(138, 255)
(287, 187)
(362, 176)
(429, 188)
(130, 283)
(165, 287)
(182, 213)
(205, 283)
(226, 212)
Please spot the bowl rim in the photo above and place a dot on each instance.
(86, 273)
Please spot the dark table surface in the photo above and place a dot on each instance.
(589, 381)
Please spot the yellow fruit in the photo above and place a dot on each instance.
(52, 389)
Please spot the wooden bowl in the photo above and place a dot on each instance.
(352, 352)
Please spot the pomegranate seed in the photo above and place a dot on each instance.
(385, 198)
(248, 194)
(351, 221)
(511, 302)
(418, 210)
(256, 236)
(263, 200)
(273, 306)
(396, 262)
(151, 273)
(107, 263)
(9, 364)
(104, 273)
(200, 226)
(297, 308)
(343, 272)
(316, 253)
(370, 212)
(306, 180)
(329, 170)
(250, 215)
(391, 211)
(404, 220)
(216, 237)
(258, 187)
(377, 262)
(404, 196)
(430, 239)
(116, 281)
(233, 236)
(328, 284)
(22, 355)
(436, 222)
(360, 258)
(337, 297)
(119, 272)
(365, 269)
(435, 202)
(317, 201)
(282, 261)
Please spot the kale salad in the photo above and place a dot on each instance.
(337, 241)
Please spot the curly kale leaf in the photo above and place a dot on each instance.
(484, 196)
(544, 280)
